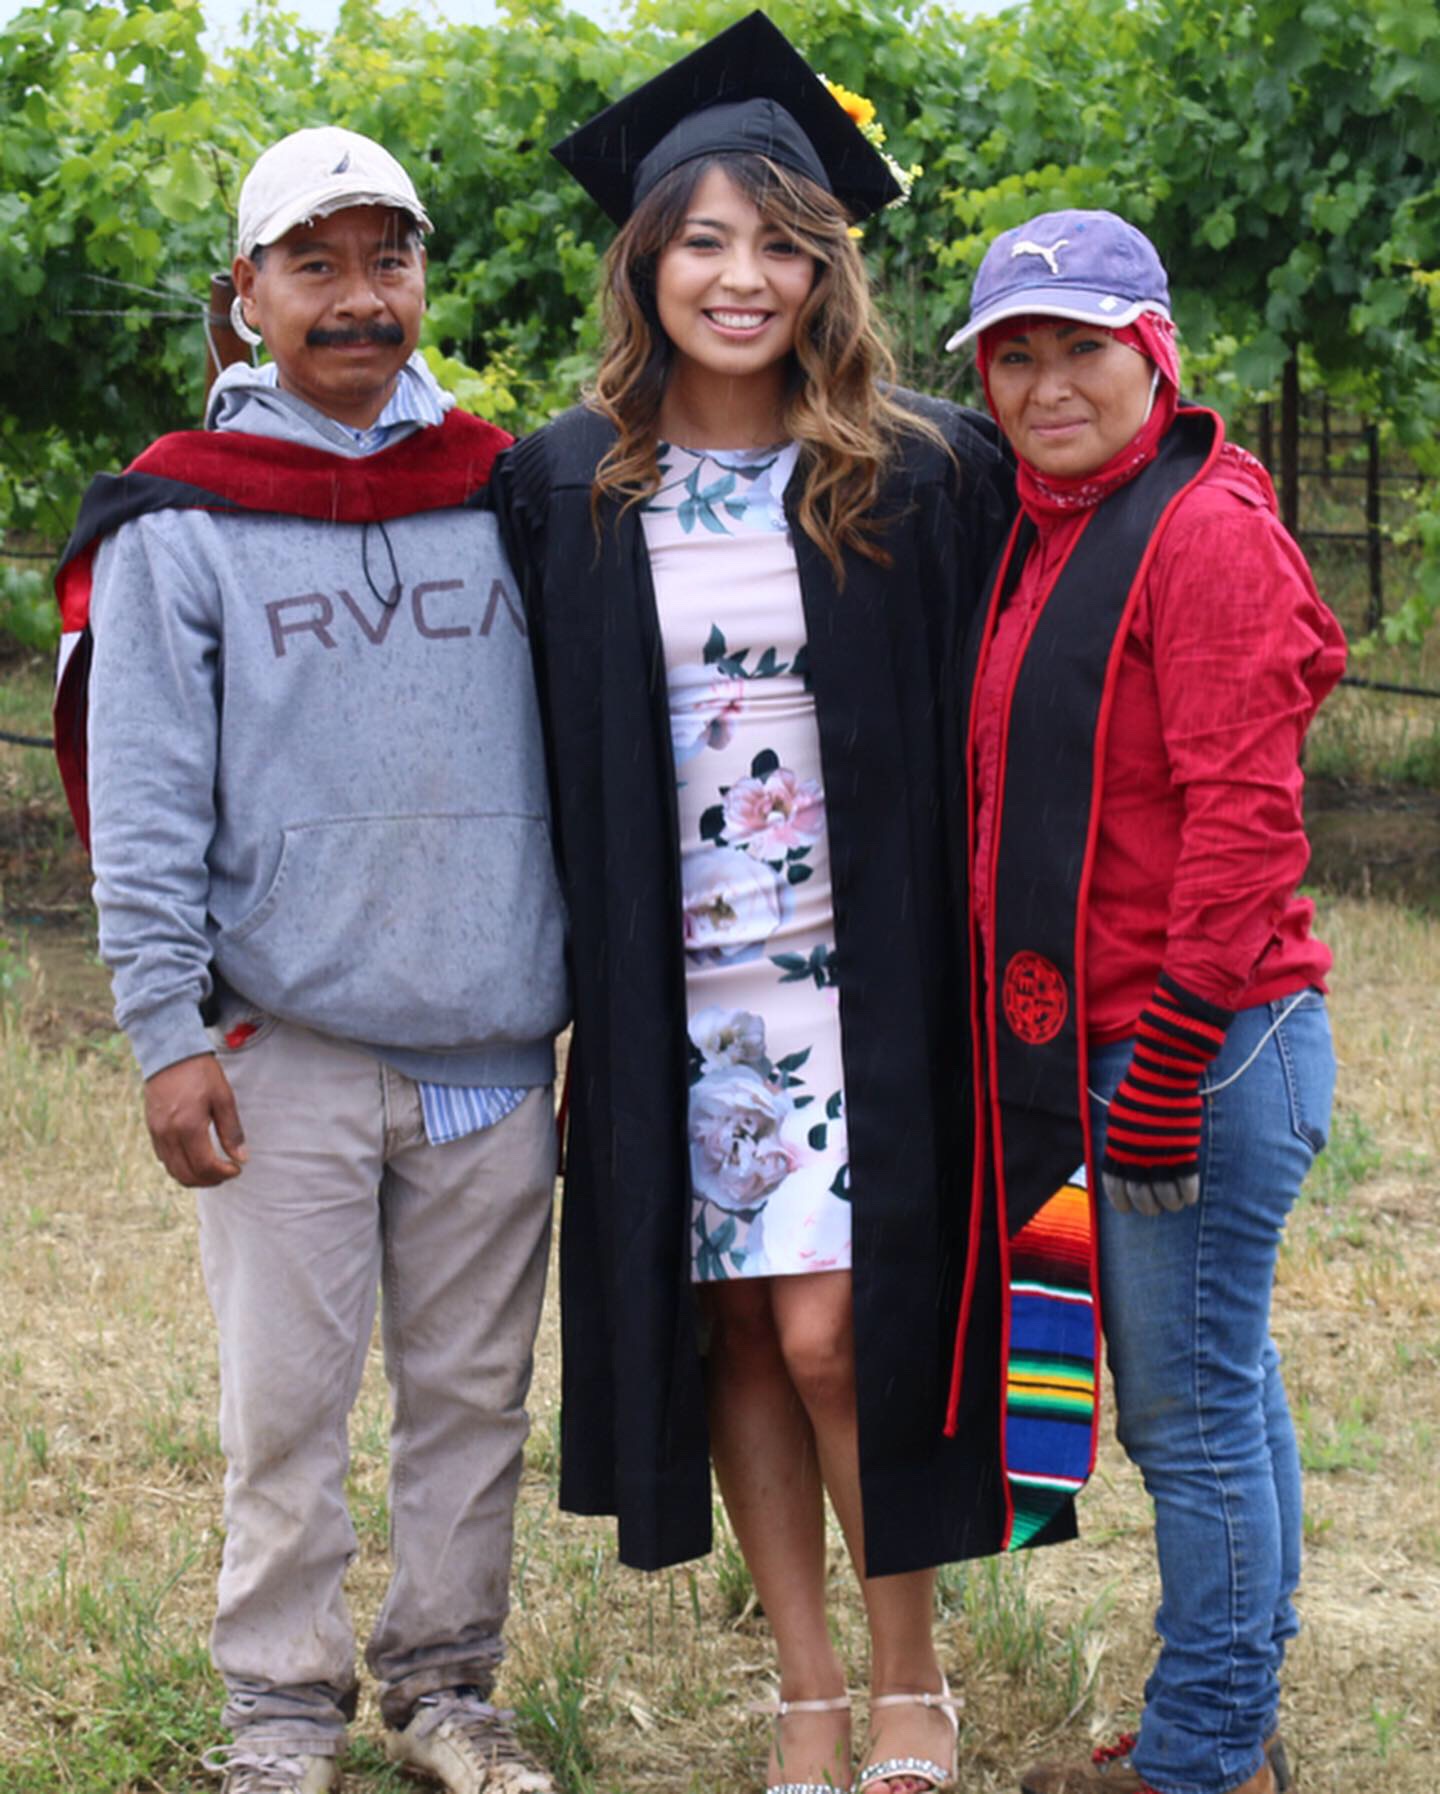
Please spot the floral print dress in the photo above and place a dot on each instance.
(769, 1170)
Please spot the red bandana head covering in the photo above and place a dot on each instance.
(1048, 496)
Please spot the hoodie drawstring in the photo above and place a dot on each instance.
(394, 594)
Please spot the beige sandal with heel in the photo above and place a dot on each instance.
(924, 1769)
(777, 1710)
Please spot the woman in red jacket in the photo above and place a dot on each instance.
(1148, 987)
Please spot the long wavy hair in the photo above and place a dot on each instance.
(836, 405)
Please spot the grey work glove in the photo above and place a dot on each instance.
(1132, 1198)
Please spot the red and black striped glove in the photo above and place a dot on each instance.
(1152, 1137)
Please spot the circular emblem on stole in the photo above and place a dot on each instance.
(1034, 997)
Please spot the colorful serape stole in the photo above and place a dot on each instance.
(1050, 1377)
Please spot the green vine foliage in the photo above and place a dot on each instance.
(1282, 153)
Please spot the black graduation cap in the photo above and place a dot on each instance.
(748, 90)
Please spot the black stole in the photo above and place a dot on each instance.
(1028, 1003)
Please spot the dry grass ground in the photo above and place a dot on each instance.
(110, 1477)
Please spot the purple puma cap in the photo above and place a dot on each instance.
(1089, 266)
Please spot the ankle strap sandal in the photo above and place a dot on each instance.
(925, 1769)
(776, 1710)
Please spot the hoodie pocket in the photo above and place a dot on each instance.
(424, 931)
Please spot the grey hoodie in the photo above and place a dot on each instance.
(335, 805)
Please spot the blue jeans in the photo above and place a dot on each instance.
(1200, 1404)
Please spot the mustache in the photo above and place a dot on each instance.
(387, 336)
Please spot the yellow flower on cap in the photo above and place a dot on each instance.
(861, 110)
(861, 113)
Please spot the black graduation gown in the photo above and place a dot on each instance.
(883, 651)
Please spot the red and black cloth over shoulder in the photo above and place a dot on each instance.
(447, 467)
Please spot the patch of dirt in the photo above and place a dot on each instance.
(67, 997)
(43, 868)
(1374, 841)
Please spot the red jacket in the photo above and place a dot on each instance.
(1201, 841)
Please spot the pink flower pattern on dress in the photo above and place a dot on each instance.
(737, 1153)
(727, 1037)
(704, 708)
(732, 902)
(765, 1135)
(770, 816)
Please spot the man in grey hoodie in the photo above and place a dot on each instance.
(326, 894)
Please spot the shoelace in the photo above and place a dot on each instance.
(485, 1727)
(254, 1772)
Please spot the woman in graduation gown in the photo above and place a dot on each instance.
(1148, 665)
(747, 560)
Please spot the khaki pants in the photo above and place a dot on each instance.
(343, 1195)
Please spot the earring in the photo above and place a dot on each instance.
(1150, 402)
(238, 324)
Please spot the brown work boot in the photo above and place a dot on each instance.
(1262, 1782)
(1279, 1763)
(1110, 1771)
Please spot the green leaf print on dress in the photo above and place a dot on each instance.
(707, 701)
(701, 504)
(796, 967)
(818, 1138)
(731, 661)
(722, 488)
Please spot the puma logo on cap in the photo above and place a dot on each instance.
(1048, 256)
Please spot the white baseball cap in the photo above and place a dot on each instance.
(315, 172)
